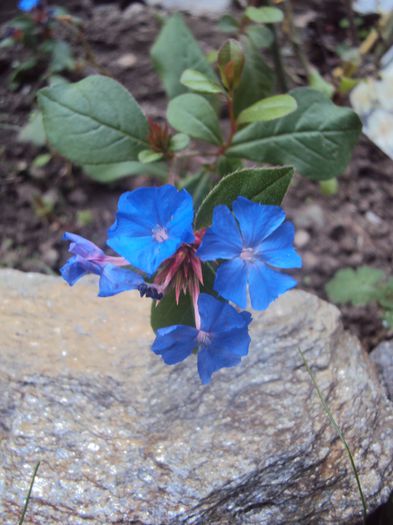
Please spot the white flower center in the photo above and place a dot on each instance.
(248, 254)
(203, 338)
(160, 234)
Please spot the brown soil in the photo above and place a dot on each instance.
(350, 228)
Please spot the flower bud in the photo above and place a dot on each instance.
(230, 61)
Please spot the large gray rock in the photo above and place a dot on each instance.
(382, 356)
(122, 438)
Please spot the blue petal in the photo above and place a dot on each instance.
(175, 343)
(228, 338)
(231, 281)
(81, 246)
(115, 280)
(278, 250)
(209, 362)
(140, 212)
(219, 316)
(76, 267)
(177, 213)
(256, 221)
(222, 240)
(265, 285)
(28, 5)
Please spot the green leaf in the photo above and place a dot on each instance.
(198, 185)
(176, 50)
(388, 318)
(264, 15)
(7, 42)
(147, 156)
(329, 187)
(385, 297)
(265, 185)
(260, 36)
(199, 82)
(356, 286)
(316, 81)
(167, 313)
(95, 121)
(269, 108)
(179, 141)
(33, 131)
(317, 138)
(228, 24)
(193, 115)
(106, 173)
(20, 70)
(228, 165)
(42, 160)
(62, 58)
(257, 79)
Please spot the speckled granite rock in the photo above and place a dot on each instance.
(382, 356)
(124, 439)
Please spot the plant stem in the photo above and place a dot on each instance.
(89, 53)
(22, 518)
(295, 39)
(352, 26)
(278, 62)
(340, 434)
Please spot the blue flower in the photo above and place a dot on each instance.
(253, 242)
(89, 259)
(222, 339)
(28, 5)
(151, 224)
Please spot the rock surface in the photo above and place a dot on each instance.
(124, 439)
(382, 356)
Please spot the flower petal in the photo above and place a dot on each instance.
(209, 362)
(278, 250)
(227, 336)
(83, 247)
(256, 221)
(140, 213)
(265, 285)
(115, 280)
(27, 5)
(77, 267)
(222, 240)
(231, 281)
(175, 343)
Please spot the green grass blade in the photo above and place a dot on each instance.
(22, 518)
(340, 434)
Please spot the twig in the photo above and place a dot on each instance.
(295, 39)
(282, 84)
(22, 518)
(339, 432)
(352, 25)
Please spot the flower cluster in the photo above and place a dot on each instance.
(158, 251)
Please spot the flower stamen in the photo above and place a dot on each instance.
(204, 338)
(248, 254)
(160, 234)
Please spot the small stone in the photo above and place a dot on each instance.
(126, 61)
(302, 238)
(202, 7)
(132, 10)
(310, 216)
(373, 218)
(310, 260)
